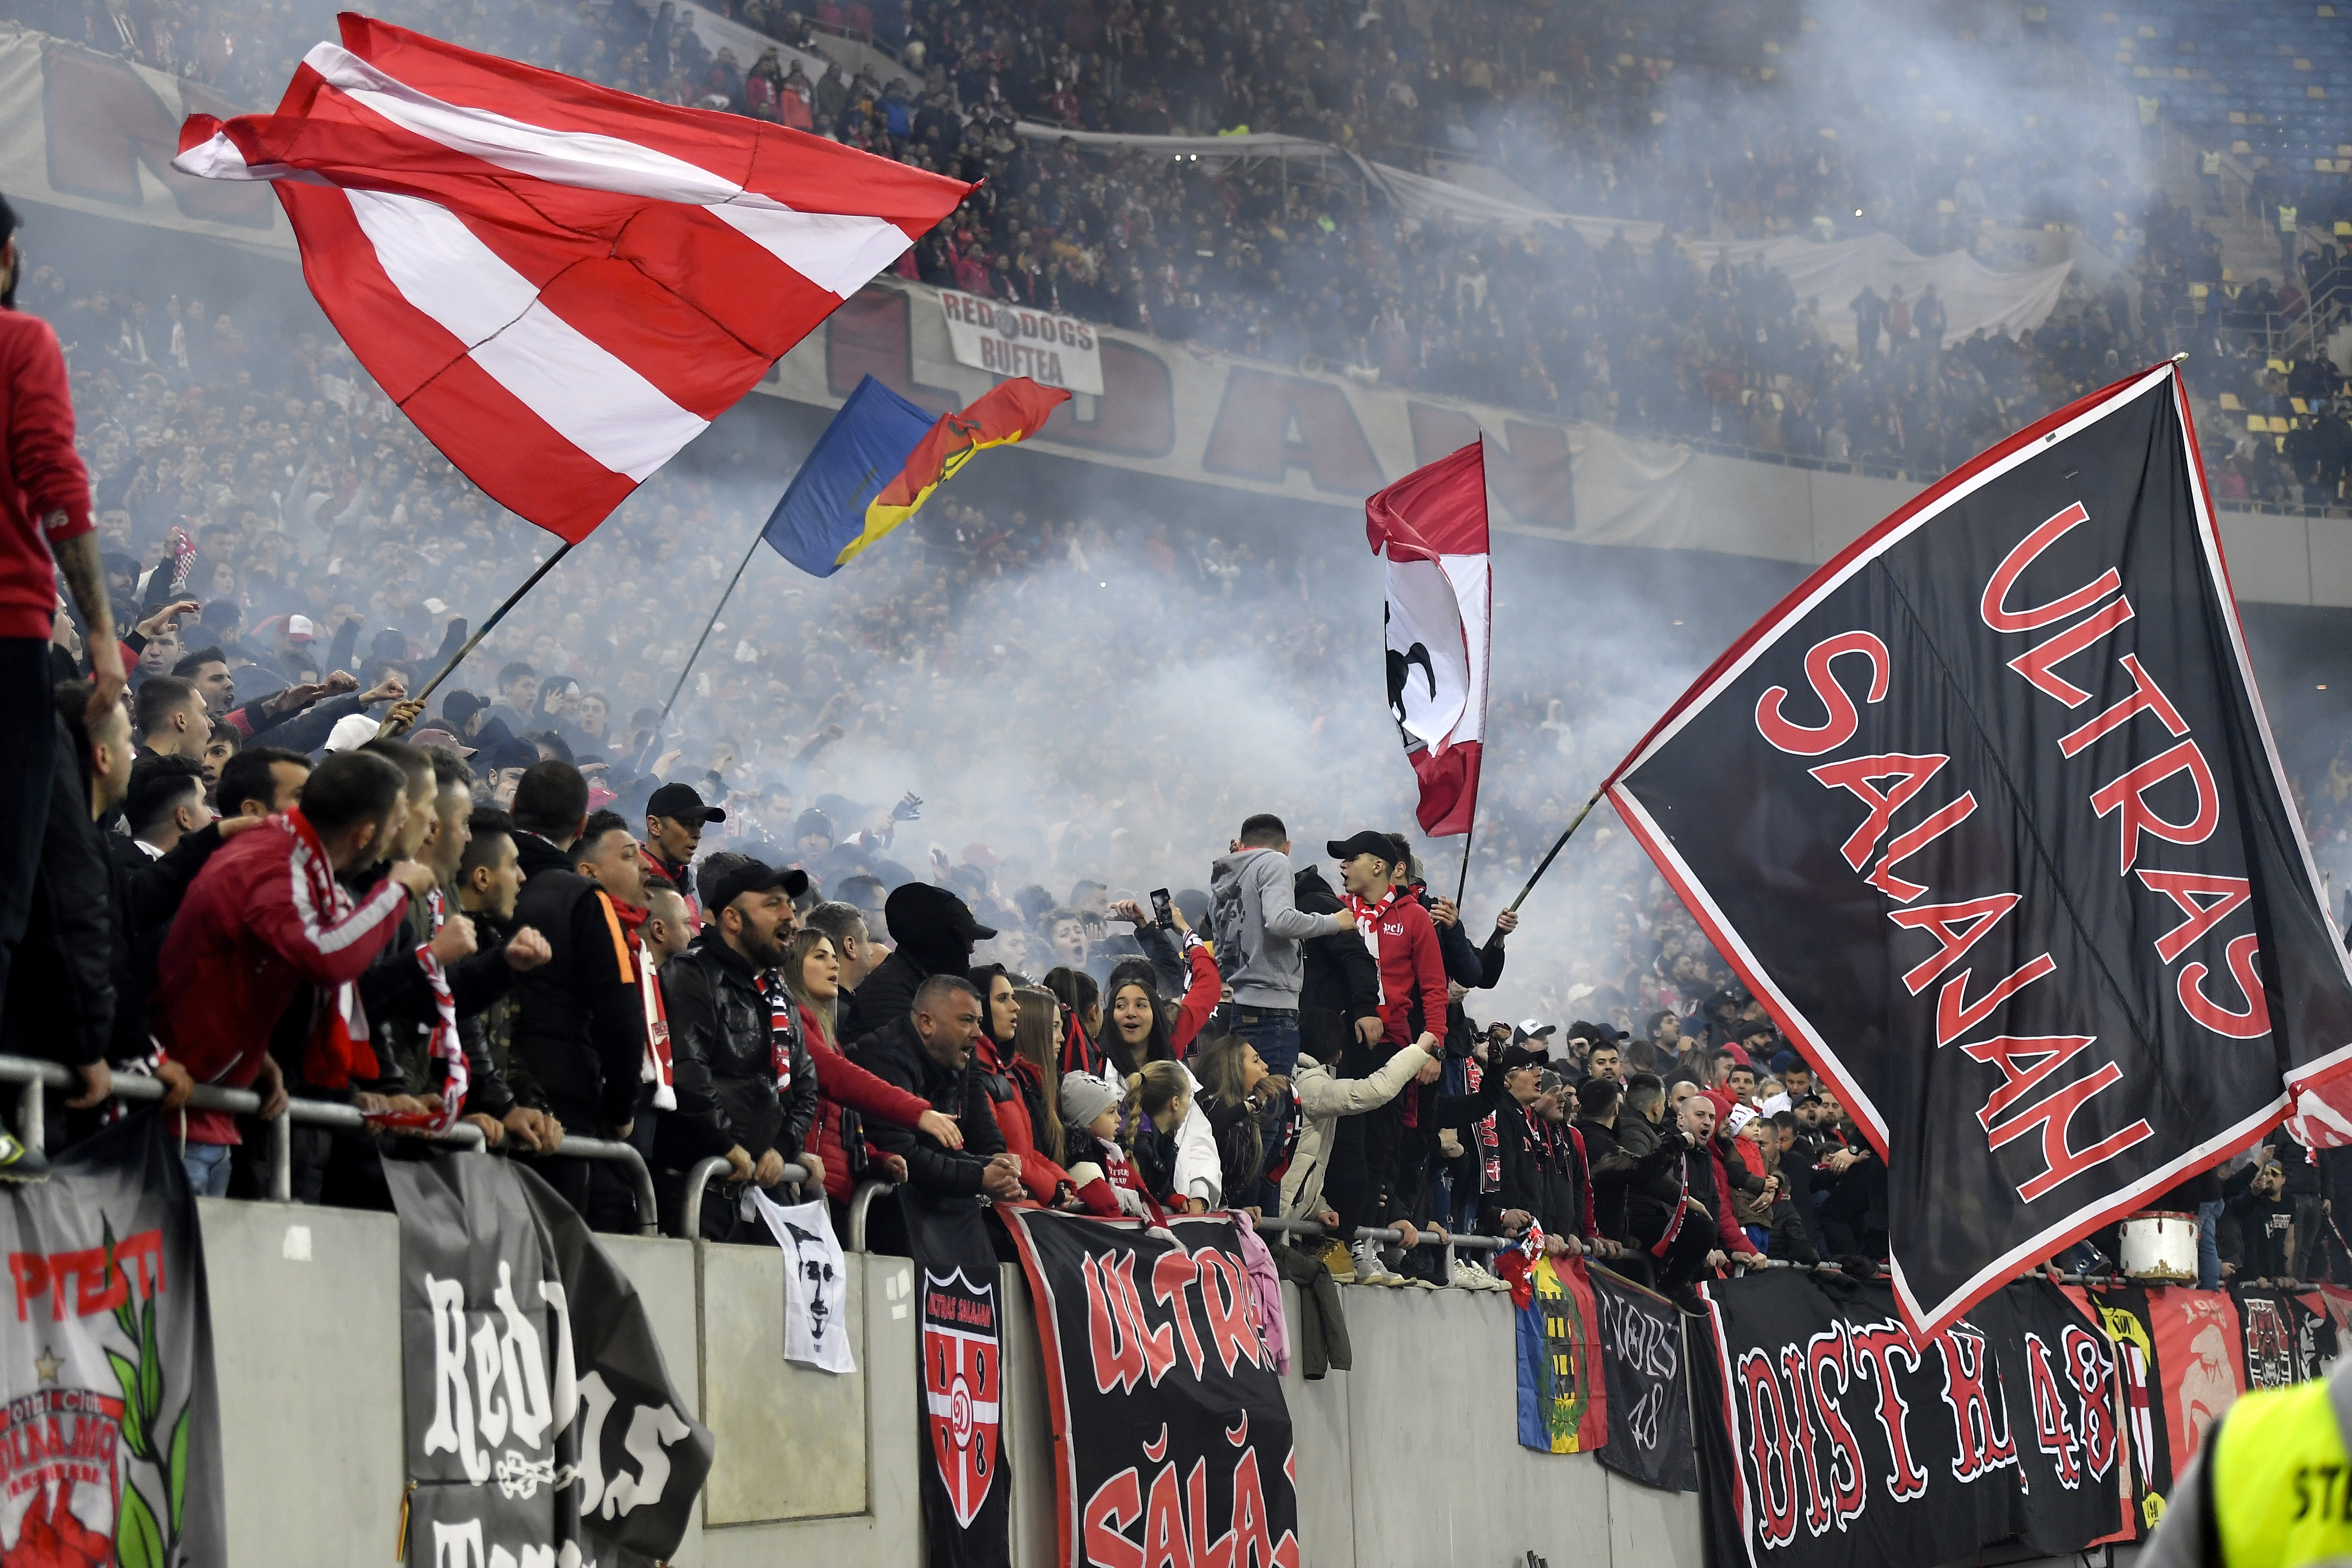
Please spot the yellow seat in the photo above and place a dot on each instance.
(2229, 401)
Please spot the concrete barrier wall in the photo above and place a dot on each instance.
(1408, 1460)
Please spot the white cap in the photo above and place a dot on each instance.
(300, 627)
(350, 732)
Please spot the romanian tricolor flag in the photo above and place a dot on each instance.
(881, 460)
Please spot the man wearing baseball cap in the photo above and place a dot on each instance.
(746, 1087)
(674, 819)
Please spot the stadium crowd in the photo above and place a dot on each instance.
(540, 910)
(1709, 124)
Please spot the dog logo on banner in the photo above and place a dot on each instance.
(962, 1361)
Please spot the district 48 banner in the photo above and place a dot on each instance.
(1171, 1440)
(1987, 812)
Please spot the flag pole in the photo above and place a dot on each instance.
(388, 729)
(1560, 843)
(740, 567)
(1462, 886)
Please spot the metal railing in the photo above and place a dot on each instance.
(697, 1187)
(32, 1127)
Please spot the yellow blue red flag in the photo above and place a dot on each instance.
(879, 461)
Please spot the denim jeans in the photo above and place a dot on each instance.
(207, 1166)
(1276, 1035)
(2208, 1249)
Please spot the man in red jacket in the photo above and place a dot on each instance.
(1403, 944)
(266, 926)
(44, 509)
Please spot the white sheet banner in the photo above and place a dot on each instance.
(1004, 338)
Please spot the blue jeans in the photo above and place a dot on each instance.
(2209, 1250)
(207, 1166)
(1276, 1035)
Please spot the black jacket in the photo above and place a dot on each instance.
(722, 1037)
(401, 1014)
(1340, 981)
(145, 894)
(894, 1054)
(60, 1002)
(580, 1023)
(1655, 1186)
(925, 947)
(1613, 1173)
(2254, 1230)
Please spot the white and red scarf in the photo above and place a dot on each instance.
(444, 1045)
(337, 1048)
(1369, 915)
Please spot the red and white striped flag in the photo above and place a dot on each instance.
(562, 284)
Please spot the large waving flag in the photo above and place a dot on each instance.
(562, 284)
(1437, 624)
(879, 461)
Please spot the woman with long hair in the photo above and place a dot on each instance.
(1244, 1103)
(1037, 1063)
(1081, 1000)
(846, 1092)
(997, 1053)
(1142, 1028)
(1160, 1099)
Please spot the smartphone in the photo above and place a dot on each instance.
(1159, 907)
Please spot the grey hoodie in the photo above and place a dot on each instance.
(1258, 928)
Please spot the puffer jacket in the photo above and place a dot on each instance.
(724, 1045)
(1324, 1097)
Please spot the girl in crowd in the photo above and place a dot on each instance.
(1010, 1078)
(1160, 1099)
(1143, 1028)
(1097, 1159)
(1254, 1114)
(1082, 1018)
(845, 1091)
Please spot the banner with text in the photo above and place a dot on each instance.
(109, 1449)
(1006, 339)
(1649, 1393)
(1836, 1439)
(1988, 815)
(967, 1500)
(542, 1423)
(1171, 1440)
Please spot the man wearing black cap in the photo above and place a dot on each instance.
(674, 819)
(746, 1089)
(935, 932)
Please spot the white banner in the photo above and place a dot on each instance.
(1006, 339)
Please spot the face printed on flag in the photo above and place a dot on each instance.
(562, 284)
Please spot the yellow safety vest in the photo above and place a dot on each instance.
(2286, 219)
(2212, 162)
(2281, 1480)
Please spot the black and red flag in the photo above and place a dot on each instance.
(1436, 626)
(1987, 812)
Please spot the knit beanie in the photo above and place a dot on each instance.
(1084, 1098)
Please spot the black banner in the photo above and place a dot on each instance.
(542, 1421)
(1649, 1393)
(1839, 1441)
(1170, 1436)
(2286, 1338)
(1988, 815)
(967, 1517)
(111, 1439)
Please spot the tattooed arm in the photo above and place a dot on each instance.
(77, 563)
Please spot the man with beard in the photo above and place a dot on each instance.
(746, 1089)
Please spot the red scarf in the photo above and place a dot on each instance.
(444, 1045)
(337, 1048)
(780, 1028)
(655, 1070)
(1367, 916)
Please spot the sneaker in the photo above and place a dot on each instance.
(1369, 1269)
(1468, 1276)
(1336, 1259)
(21, 1163)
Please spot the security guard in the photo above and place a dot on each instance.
(2272, 1487)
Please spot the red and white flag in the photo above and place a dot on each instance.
(1431, 525)
(562, 284)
